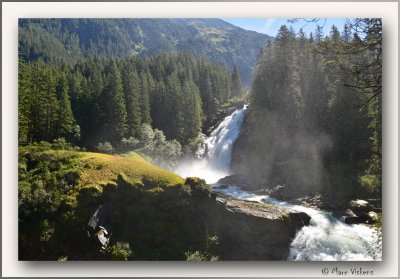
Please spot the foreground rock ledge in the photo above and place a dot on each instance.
(255, 232)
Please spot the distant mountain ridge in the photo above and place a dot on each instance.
(61, 41)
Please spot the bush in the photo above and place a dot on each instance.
(121, 251)
(196, 147)
(146, 134)
(198, 256)
(198, 187)
(153, 143)
(63, 144)
(129, 144)
(370, 183)
(194, 182)
(105, 147)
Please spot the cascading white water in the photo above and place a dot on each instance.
(326, 238)
(219, 145)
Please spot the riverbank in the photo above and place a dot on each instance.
(326, 238)
(249, 230)
(353, 211)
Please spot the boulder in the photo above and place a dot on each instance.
(360, 207)
(354, 220)
(372, 217)
(234, 179)
(348, 213)
(255, 231)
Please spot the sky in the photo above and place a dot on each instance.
(270, 26)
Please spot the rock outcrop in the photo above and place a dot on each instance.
(360, 211)
(254, 231)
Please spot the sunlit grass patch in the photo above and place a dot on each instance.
(102, 169)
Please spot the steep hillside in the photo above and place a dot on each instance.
(67, 40)
(67, 197)
(103, 168)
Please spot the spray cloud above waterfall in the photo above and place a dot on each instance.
(218, 150)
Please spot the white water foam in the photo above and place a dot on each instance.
(326, 238)
(219, 150)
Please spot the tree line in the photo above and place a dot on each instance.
(314, 122)
(100, 99)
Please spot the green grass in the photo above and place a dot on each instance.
(101, 169)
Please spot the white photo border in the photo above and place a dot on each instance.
(11, 11)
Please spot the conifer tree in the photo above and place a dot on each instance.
(236, 84)
(24, 102)
(192, 114)
(146, 87)
(132, 93)
(65, 121)
(113, 106)
(49, 105)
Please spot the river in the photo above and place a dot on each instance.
(325, 239)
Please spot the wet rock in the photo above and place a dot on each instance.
(354, 220)
(234, 179)
(349, 213)
(372, 217)
(349, 217)
(255, 231)
(360, 207)
(342, 215)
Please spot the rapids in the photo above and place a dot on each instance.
(325, 239)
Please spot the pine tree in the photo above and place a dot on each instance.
(132, 93)
(318, 35)
(346, 34)
(147, 86)
(113, 106)
(65, 121)
(236, 84)
(335, 35)
(205, 91)
(191, 110)
(174, 109)
(24, 102)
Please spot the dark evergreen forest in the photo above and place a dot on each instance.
(99, 100)
(58, 41)
(315, 116)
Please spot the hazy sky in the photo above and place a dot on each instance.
(271, 26)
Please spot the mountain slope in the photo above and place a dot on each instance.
(68, 40)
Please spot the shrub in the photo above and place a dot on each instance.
(198, 187)
(194, 181)
(198, 256)
(129, 144)
(121, 251)
(369, 182)
(196, 147)
(105, 147)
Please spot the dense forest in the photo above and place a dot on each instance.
(67, 40)
(315, 116)
(104, 100)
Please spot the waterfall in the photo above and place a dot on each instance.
(325, 238)
(215, 164)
